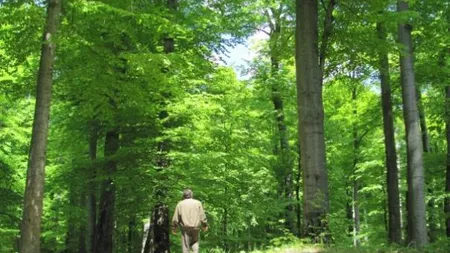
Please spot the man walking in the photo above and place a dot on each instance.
(189, 216)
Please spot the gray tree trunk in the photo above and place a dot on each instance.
(285, 166)
(284, 155)
(105, 226)
(356, 216)
(423, 123)
(92, 191)
(394, 224)
(427, 149)
(416, 183)
(160, 225)
(310, 121)
(30, 230)
(82, 246)
(447, 181)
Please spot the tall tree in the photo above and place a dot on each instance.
(309, 73)
(160, 225)
(105, 225)
(427, 150)
(30, 230)
(356, 183)
(447, 181)
(278, 39)
(394, 225)
(447, 135)
(91, 202)
(416, 211)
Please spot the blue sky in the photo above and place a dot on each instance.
(242, 53)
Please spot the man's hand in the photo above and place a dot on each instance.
(174, 230)
(205, 228)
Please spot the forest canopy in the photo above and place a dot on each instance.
(335, 135)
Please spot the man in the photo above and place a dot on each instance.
(189, 216)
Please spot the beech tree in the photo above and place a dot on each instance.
(416, 208)
(395, 233)
(145, 103)
(310, 62)
(30, 230)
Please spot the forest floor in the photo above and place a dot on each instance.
(318, 249)
(294, 249)
(304, 250)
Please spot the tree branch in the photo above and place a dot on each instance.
(269, 20)
(262, 30)
(327, 29)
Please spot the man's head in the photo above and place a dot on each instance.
(187, 194)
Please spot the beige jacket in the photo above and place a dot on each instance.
(189, 213)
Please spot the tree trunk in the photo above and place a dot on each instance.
(160, 226)
(285, 157)
(92, 190)
(225, 229)
(131, 233)
(72, 231)
(415, 178)
(285, 166)
(310, 121)
(105, 226)
(394, 227)
(160, 215)
(30, 229)
(82, 228)
(348, 209)
(297, 197)
(447, 181)
(423, 123)
(356, 216)
(147, 237)
(427, 149)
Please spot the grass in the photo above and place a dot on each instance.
(442, 247)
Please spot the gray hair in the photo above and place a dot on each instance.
(188, 194)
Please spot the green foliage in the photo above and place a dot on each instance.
(15, 130)
(112, 72)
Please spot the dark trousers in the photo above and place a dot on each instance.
(189, 239)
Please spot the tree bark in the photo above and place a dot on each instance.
(82, 228)
(285, 157)
(72, 231)
(416, 182)
(447, 181)
(310, 121)
(147, 237)
(427, 149)
(92, 190)
(105, 226)
(423, 123)
(160, 243)
(394, 224)
(30, 230)
(160, 226)
(225, 229)
(356, 216)
(285, 168)
(299, 207)
(131, 234)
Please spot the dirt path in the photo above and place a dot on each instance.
(305, 250)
